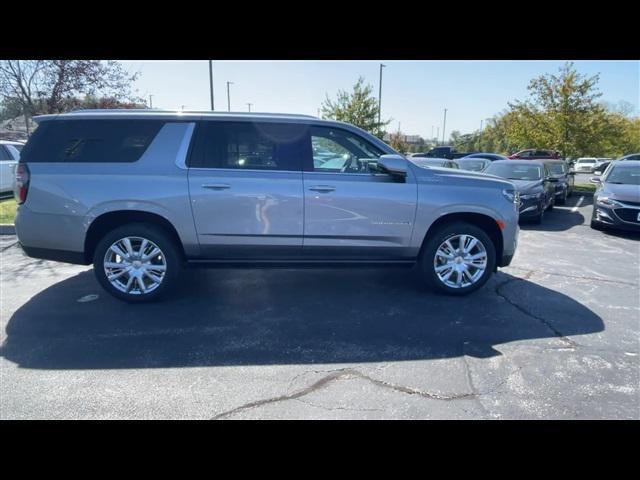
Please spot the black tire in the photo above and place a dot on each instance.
(563, 198)
(537, 220)
(426, 261)
(552, 204)
(170, 253)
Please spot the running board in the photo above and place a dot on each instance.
(298, 263)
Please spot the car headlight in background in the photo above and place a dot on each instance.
(607, 202)
(511, 195)
(529, 196)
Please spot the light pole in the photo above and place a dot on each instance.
(380, 93)
(211, 84)
(150, 101)
(437, 134)
(249, 105)
(229, 96)
(444, 124)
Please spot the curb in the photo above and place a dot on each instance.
(7, 229)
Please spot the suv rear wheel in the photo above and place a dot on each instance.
(137, 263)
(458, 259)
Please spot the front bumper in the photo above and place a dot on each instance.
(529, 208)
(624, 218)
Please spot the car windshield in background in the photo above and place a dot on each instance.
(17, 146)
(586, 161)
(515, 172)
(473, 165)
(429, 163)
(557, 168)
(624, 175)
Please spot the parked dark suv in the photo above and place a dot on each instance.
(533, 154)
(140, 194)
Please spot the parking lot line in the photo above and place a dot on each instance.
(575, 209)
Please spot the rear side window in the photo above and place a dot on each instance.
(251, 146)
(90, 141)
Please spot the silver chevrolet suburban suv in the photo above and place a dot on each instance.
(142, 194)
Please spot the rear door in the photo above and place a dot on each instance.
(7, 166)
(351, 211)
(245, 182)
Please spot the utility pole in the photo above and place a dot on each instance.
(444, 124)
(249, 105)
(150, 101)
(318, 113)
(437, 135)
(211, 84)
(229, 96)
(380, 93)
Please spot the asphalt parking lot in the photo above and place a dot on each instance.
(555, 335)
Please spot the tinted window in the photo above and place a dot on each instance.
(252, 146)
(4, 155)
(90, 141)
(473, 165)
(336, 150)
(18, 146)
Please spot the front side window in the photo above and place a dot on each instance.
(4, 154)
(251, 146)
(339, 151)
(557, 168)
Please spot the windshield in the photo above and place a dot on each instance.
(624, 175)
(515, 171)
(473, 165)
(586, 161)
(557, 168)
(429, 163)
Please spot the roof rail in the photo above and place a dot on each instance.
(156, 110)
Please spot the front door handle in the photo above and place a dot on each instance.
(322, 188)
(216, 186)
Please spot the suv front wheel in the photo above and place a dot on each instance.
(458, 259)
(136, 263)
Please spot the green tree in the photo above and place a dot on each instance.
(562, 113)
(358, 107)
(51, 86)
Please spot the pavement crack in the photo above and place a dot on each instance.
(343, 374)
(7, 247)
(498, 290)
(577, 277)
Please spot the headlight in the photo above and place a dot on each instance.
(529, 196)
(607, 202)
(511, 195)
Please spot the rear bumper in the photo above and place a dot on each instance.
(65, 256)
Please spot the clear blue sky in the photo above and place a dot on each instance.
(414, 93)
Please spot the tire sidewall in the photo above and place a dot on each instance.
(157, 236)
(442, 234)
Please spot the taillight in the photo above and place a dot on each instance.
(21, 187)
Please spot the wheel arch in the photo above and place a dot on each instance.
(108, 221)
(485, 222)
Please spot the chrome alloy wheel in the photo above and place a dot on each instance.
(135, 265)
(460, 261)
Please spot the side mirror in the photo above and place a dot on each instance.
(551, 179)
(393, 165)
(595, 180)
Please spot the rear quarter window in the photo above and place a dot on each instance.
(90, 141)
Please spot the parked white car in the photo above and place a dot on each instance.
(585, 164)
(9, 156)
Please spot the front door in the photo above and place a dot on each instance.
(351, 210)
(245, 182)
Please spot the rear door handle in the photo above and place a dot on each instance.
(322, 188)
(216, 186)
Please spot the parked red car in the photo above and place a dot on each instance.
(533, 154)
